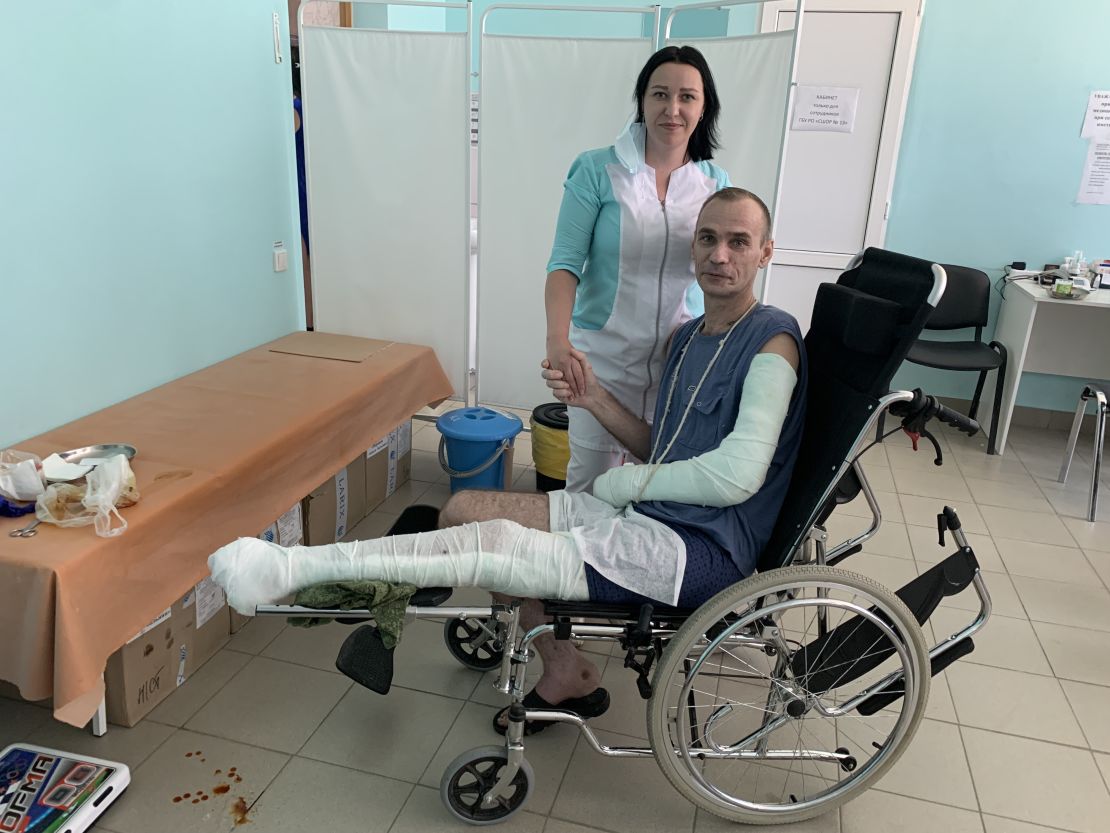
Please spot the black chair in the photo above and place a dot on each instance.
(965, 304)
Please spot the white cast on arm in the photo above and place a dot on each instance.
(730, 473)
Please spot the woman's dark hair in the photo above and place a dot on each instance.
(704, 139)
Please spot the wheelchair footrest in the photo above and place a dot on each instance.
(882, 699)
(852, 643)
(364, 658)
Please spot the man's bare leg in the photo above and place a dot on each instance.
(566, 672)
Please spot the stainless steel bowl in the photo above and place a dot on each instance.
(76, 455)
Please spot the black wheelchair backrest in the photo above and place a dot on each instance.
(861, 329)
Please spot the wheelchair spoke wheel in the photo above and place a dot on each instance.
(762, 709)
(473, 774)
(473, 642)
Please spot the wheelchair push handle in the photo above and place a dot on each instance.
(918, 411)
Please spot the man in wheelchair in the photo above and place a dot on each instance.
(784, 686)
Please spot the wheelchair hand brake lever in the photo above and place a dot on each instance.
(939, 460)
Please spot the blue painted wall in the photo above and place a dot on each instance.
(991, 155)
(148, 170)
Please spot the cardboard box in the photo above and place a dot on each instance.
(336, 505)
(388, 465)
(164, 654)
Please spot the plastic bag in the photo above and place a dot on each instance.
(109, 486)
(20, 475)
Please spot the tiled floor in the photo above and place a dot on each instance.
(1016, 739)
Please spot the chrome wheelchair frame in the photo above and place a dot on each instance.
(491, 783)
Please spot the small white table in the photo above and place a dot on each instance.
(1046, 335)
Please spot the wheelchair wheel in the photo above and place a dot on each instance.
(761, 709)
(473, 642)
(472, 774)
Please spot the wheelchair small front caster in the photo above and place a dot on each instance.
(473, 774)
(472, 642)
(849, 763)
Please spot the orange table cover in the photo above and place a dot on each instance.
(221, 453)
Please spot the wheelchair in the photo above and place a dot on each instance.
(794, 690)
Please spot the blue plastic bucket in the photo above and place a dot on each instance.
(475, 447)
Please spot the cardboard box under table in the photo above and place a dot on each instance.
(222, 453)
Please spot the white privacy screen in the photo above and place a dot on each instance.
(387, 138)
(543, 101)
(752, 75)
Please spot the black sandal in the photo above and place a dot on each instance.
(594, 704)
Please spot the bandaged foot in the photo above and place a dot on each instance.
(500, 556)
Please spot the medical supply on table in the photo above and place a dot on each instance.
(15, 508)
(550, 445)
(20, 475)
(29, 531)
(108, 487)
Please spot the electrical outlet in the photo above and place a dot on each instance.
(281, 257)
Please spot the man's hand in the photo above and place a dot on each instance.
(589, 392)
(561, 356)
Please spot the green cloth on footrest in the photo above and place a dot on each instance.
(387, 601)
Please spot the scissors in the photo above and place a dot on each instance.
(28, 531)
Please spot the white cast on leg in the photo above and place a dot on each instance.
(501, 556)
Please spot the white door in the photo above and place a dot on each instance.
(836, 188)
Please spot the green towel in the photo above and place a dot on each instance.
(385, 600)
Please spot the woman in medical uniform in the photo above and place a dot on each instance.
(621, 278)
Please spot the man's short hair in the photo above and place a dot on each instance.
(733, 194)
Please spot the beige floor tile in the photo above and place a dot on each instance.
(1101, 563)
(621, 794)
(879, 812)
(426, 467)
(311, 795)
(1103, 762)
(1076, 654)
(928, 551)
(187, 700)
(148, 805)
(1090, 703)
(436, 495)
(903, 458)
(891, 539)
(1037, 782)
(1074, 605)
(1022, 494)
(1089, 535)
(979, 466)
(558, 826)
(1004, 598)
(705, 822)
(426, 438)
(548, 752)
(923, 511)
(316, 647)
(996, 824)
(424, 813)
(257, 634)
(1013, 702)
(627, 713)
(1025, 526)
(939, 484)
(395, 735)
(1074, 498)
(933, 768)
(374, 525)
(880, 477)
(19, 719)
(275, 705)
(889, 506)
(1003, 642)
(891, 572)
(130, 746)
(422, 662)
(940, 705)
(1045, 561)
(407, 494)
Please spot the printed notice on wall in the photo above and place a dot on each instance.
(1094, 189)
(1096, 124)
(831, 109)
